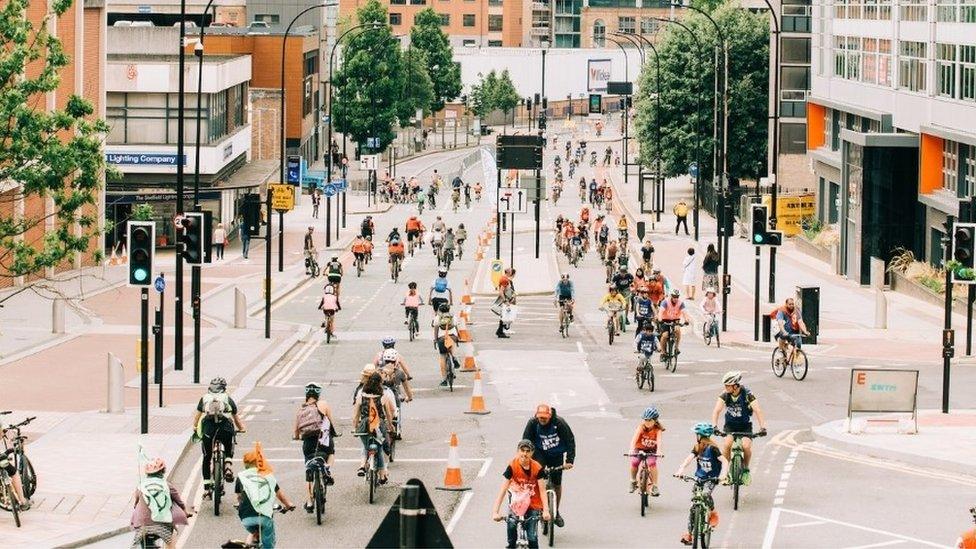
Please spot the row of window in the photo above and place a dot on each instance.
(955, 71)
(626, 25)
(959, 168)
(467, 20)
(947, 11)
(835, 120)
(424, 2)
(865, 60)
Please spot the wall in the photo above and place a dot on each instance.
(265, 123)
(146, 74)
(930, 164)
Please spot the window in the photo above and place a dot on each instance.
(627, 25)
(956, 11)
(950, 165)
(945, 69)
(445, 19)
(269, 18)
(494, 2)
(795, 50)
(469, 43)
(913, 10)
(467, 19)
(648, 26)
(912, 66)
(396, 19)
(398, 2)
(795, 78)
(793, 138)
(599, 33)
(418, 2)
(967, 73)
(494, 23)
(840, 56)
(494, 43)
(853, 57)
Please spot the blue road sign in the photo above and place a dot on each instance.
(159, 284)
(330, 190)
(693, 170)
(341, 184)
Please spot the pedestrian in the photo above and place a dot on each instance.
(681, 215)
(220, 240)
(506, 297)
(245, 237)
(690, 265)
(316, 200)
(710, 268)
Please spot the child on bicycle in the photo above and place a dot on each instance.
(646, 340)
(411, 302)
(158, 507)
(710, 306)
(525, 482)
(647, 439)
(711, 467)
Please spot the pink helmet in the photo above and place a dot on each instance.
(155, 466)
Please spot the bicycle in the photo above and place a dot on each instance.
(701, 530)
(643, 477)
(792, 356)
(217, 468)
(28, 477)
(312, 265)
(549, 526)
(448, 360)
(460, 249)
(710, 331)
(447, 257)
(420, 208)
(564, 312)
(736, 463)
(613, 319)
(359, 264)
(412, 325)
(395, 268)
(668, 354)
(372, 473)
(645, 371)
(328, 325)
(317, 466)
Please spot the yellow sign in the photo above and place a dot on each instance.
(282, 197)
(791, 211)
(496, 272)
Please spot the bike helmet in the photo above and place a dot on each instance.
(710, 291)
(675, 292)
(622, 269)
(218, 385)
(650, 413)
(442, 271)
(313, 389)
(388, 342)
(311, 228)
(613, 289)
(154, 466)
(445, 308)
(390, 355)
(329, 289)
(732, 378)
(704, 429)
(526, 444)
(335, 258)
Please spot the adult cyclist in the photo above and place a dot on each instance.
(333, 272)
(445, 340)
(555, 446)
(215, 420)
(565, 294)
(440, 292)
(623, 280)
(739, 405)
(670, 314)
(315, 427)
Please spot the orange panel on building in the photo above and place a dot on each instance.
(930, 164)
(815, 125)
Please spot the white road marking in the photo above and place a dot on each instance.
(805, 523)
(862, 528)
(484, 468)
(579, 346)
(459, 511)
(771, 527)
(881, 544)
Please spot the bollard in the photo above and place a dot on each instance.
(409, 512)
(240, 309)
(880, 309)
(116, 385)
(57, 316)
(766, 324)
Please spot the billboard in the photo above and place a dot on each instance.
(597, 74)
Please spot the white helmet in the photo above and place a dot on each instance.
(329, 289)
(732, 378)
(390, 355)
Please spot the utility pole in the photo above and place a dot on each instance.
(180, 173)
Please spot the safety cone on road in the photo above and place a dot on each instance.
(452, 477)
(464, 336)
(466, 296)
(113, 259)
(466, 314)
(123, 255)
(477, 397)
(469, 364)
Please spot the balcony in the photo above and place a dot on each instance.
(540, 31)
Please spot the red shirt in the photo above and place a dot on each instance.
(526, 480)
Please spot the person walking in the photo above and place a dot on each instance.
(690, 265)
(245, 237)
(681, 216)
(220, 240)
(316, 200)
(710, 268)
(506, 297)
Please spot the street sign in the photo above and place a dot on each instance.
(159, 283)
(373, 142)
(330, 190)
(282, 197)
(513, 201)
(496, 272)
(620, 88)
(693, 170)
(368, 162)
(340, 184)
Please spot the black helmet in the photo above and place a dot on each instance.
(445, 308)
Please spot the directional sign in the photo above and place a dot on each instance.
(513, 201)
(368, 162)
(340, 184)
(330, 190)
(282, 197)
(159, 283)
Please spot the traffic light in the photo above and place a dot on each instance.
(251, 212)
(537, 151)
(963, 251)
(542, 121)
(193, 238)
(759, 227)
(596, 103)
(545, 103)
(142, 240)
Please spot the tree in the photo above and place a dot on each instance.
(370, 82)
(505, 96)
(445, 74)
(47, 155)
(683, 70)
(418, 90)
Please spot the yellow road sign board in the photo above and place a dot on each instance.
(282, 197)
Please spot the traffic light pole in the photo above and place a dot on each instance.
(498, 216)
(755, 322)
(281, 239)
(947, 337)
(195, 304)
(144, 362)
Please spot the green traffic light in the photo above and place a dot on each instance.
(758, 238)
(140, 274)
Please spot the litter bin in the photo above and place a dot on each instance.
(808, 300)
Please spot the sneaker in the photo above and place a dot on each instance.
(309, 506)
(559, 520)
(26, 505)
(228, 472)
(361, 472)
(444, 383)
(713, 519)
(633, 486)
(686, 539)
(746, 477)
(654, 491)
(207, 493)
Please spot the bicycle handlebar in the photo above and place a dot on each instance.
(688, 478)
(644, 454)
(757, 434)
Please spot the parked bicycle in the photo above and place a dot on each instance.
(14, 440)
(701, 506)
(643, 479)
(737, 461)
(792, 357)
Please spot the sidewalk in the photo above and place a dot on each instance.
(86, 459)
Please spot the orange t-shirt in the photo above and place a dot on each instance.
(413, 225)
(359, 247)
(396, 248)
(528, 481)
(647, 441)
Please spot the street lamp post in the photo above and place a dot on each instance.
(538, 172)
(626, 127)
(626, 110)
(658, 179)
(774, 161)
(180, 180)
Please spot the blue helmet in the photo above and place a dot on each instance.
(704, 429)
(650, 413)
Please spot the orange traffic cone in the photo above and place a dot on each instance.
(123, 255)
(477, 397)
(469, 364)
(466, 296)
(464, 336)
(466, 315)
(113, 259)
(452, 477)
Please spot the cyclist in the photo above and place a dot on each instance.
(467, 194)
(789, 325)
(359, 249)
(449, 241)
(614, 297)
(440, 292)
(565, 294)
(396, 375)
(394, 235)
(367, 227)
(593, 189)
(602, 235)
(389, 343)
(411, 302)
(432, 195)
(670, 313)
(623, 281)
(158, 508)
(438, 225)
(525, 482)
(396, 251)
(437, 243)
(421, 198)
(373, 412)
(585, 215)
(739, 405)
(460, 235)
(647, 254)
(582, 182)
(445, 339)
(622, 226)
(611, 257)
(315, 427)
(333, 272)
(456, 198)
(215, 420)
(412, 228)
(655, 288)
(968, 538)
(256, 488)
(555, 446)
(711, 466)
(583, 230)
(643, 310)
(645, 342)
(369, 249)
(329, 305)
(710, 306)
(308, 247)
(647, 439)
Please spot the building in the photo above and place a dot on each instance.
(165, 13)
(600, 18)
(891, 123)
(81, 30)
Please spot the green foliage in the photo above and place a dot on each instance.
(54, 155)
(418, 91)
(370, 82)
(493, 92)
(143, 212)
(812, 226)
(506, 97)
(684, 72)
(444, 73)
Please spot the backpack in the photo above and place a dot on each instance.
(440, 285)
(309, 420)
(216, 404)
(335, 267)
(371, 413)
(365, 225)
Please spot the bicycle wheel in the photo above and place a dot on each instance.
(412, 328)
(715, 333)
(27, 476)
(650, 376)
(449, 368)
(707, 333)
(216, 476)
(610, 331)
(552, 522)
(371, 480)
(799, 365)
(735, 473)
(319, 497)
(359, 267)
(11, 499)
(643, 503)
(641, 378)
(672, 360)
(778, 362)
(392, 453)
(697, 524)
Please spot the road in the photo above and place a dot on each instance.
(803, 494)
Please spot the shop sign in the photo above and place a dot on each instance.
(142, 159)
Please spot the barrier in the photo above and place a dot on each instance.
(883, 391)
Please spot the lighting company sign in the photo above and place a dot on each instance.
(598, 74)
(142, 159)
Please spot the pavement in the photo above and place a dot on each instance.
(79, 501)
